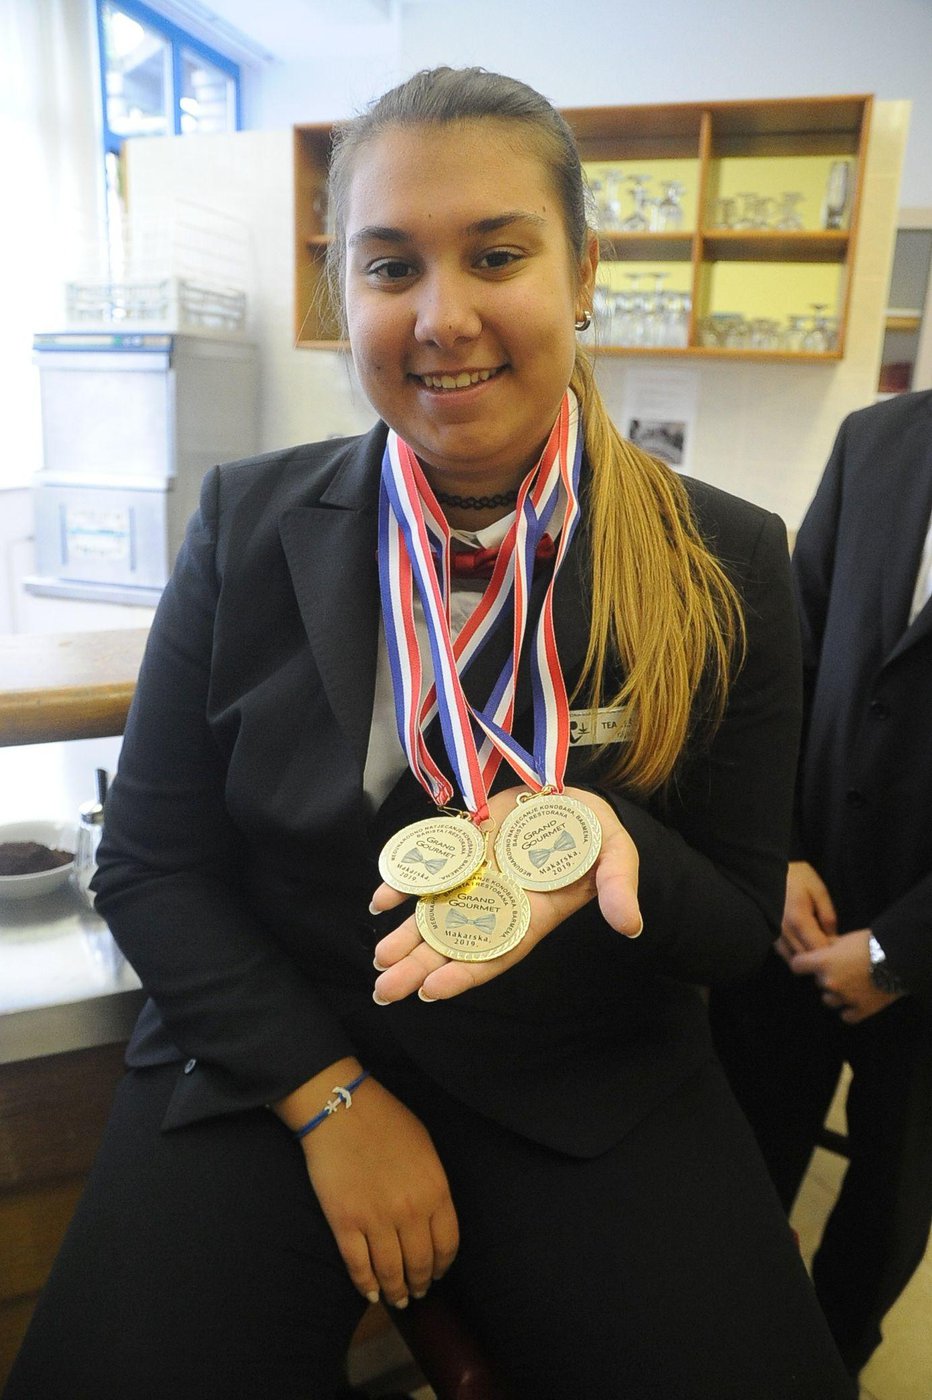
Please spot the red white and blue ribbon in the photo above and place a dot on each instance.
(414, 550)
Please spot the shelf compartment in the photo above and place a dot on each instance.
(645, 247)
(807, 133)
(774, 245)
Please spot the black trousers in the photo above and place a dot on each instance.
(784, 1052)
(199, 1266)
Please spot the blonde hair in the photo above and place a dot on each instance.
(662, 605)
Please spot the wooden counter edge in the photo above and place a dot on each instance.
(75, 685)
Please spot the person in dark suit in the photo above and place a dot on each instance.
(853, 984)
(548, 1131)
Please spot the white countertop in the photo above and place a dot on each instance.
(54, 950)
(64, 984)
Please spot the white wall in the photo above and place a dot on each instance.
(592, 52)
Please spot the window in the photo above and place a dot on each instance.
(157, 80)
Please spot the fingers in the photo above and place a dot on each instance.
(405, 973)
(824, 908)
(397, 944)
(807, 963)
(396, 1265)
(388, 1264)
(385, 898)
(616, 880)
(800, 930)
(445, 1234)
(354, 1248)
(809, 919)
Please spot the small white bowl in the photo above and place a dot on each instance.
(59, 836)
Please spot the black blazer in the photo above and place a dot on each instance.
(865, 794)
(239, 856)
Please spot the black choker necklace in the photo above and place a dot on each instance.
(508, 498)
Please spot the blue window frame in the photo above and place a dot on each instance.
(158, 80)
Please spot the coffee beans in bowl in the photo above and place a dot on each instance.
(36, 857)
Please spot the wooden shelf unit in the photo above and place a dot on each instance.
(708, 134)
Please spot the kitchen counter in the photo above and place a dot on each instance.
(64, 984)
(71, 685)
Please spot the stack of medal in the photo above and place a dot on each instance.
(467, 911)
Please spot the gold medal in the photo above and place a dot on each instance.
(482, 920)
(433, 855)
(548, 841)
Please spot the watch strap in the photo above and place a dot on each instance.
(882, 975)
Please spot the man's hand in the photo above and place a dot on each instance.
(842, 970)
(410, 965)
(809, 920)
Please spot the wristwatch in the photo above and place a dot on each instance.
(883, 978)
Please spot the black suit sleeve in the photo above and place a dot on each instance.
(904, 924)
(171, 862)
(813, 568)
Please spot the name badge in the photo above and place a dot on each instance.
(604, 727)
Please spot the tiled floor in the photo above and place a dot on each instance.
(901, 1368)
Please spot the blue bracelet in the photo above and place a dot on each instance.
(342, 1098)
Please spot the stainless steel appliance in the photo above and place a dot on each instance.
(131, 421)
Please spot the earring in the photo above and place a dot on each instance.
(585, 322)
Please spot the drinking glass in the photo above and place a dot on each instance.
(793, 333)
(818, 335)
(669, 211)
(636, 320)
(787, 215)
(727, 212)
(603, 307)
(654, 304)
(612, 199)
(640, 219)
(749, 215)
(837, 194)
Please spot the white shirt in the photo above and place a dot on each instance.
(923, 591)
(385, 759)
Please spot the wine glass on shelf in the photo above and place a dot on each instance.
(818, 335)
(736, 330)
(603, 307)
(788, 211)
(837, 195)
(727, 212)
(765, 211)
(762, 334)
(749, 214)
(655, 305)
(640, 219)
(793, 333)
(611, 207)
(675, 319)
(668, 211)
(636, 327)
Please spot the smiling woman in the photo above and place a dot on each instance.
(462, 328)
(363, 669)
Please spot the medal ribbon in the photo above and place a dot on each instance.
(413, 534)
(547, 766)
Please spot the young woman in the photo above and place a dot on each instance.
(336, 717)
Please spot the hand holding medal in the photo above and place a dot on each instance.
(547, 840)
(409, 964)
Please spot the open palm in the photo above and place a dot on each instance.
(411, 965)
